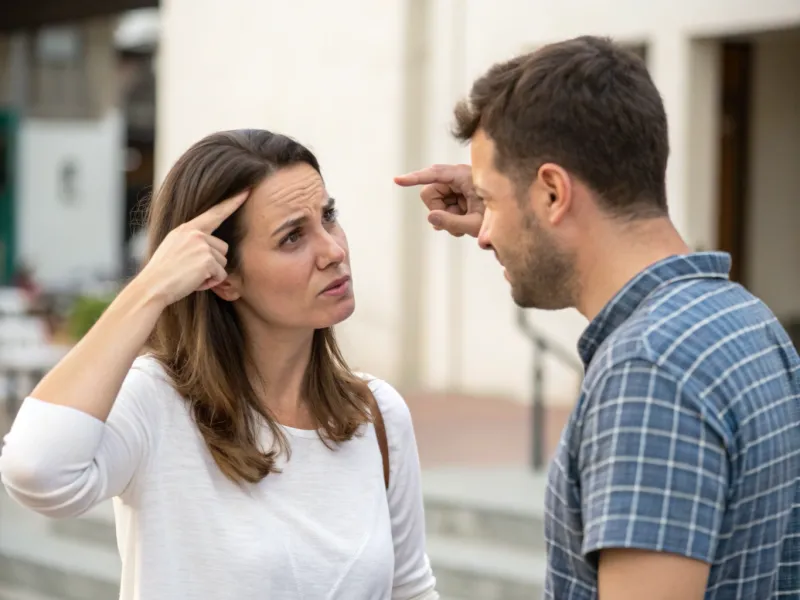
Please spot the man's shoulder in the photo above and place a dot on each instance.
(683, 328)
(711, 347)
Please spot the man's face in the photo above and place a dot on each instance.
(539, 269)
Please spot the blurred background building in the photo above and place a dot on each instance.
(98, 99)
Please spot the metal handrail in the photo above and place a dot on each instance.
(542, 344)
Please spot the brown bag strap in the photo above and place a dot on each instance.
(380, 432)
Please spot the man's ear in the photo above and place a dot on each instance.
(558, 187)
(228, 290)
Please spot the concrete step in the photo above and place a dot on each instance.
(485, 540)
(16, 593)
(501, 506)
(482, 571)
(35, 559)
(94, 527)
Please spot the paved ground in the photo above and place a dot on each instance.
(467, 430)
(477, 431)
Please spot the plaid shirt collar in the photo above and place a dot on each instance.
(630, 297)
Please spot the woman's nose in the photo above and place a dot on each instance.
(332, 250)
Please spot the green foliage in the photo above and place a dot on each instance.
(84, 314)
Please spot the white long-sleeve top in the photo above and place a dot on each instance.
(325, 528)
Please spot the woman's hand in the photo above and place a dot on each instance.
(89, 378)
(190, 258)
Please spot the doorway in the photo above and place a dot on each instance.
(737, 77)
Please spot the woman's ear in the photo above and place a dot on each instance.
(228, 290)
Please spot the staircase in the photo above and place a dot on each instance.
(486, 533)
(47, 559)
(485, 542)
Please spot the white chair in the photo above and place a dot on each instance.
(21, 367)
(13, 302)
(22, 331)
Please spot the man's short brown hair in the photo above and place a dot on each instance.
(586, 104)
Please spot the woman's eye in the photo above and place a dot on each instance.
(292, 238)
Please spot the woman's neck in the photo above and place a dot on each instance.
(280, 359)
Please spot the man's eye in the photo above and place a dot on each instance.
(329, 215)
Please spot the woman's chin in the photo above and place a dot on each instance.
(334, 315)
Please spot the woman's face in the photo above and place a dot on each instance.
(294, 264)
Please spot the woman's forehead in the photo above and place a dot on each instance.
(290, 192)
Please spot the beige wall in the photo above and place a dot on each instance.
(702, 150)
(341, 77)
(329, 74)
(683, 58)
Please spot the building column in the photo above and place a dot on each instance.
(704, 143)
(444, 266)
(687, 73)
(413, 256)
(19, 71)
(101, 65)
(669, 64)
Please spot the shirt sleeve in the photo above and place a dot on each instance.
(653, 467)
(61, 462)
(413, 578)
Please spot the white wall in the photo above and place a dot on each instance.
(59, 236)
(774, 212)
(330, 75)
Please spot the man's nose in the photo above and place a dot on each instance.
(483, 235)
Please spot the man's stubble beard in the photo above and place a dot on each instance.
(545, 275)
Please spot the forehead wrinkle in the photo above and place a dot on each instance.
(303, 195)
(280, 197)
(294, 199)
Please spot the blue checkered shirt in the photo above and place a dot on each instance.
(685, 439)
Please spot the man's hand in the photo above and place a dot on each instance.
(450, 197)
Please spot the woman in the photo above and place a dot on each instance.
(239, 449)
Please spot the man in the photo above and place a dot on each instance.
(677, 474)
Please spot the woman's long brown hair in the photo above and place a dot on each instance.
(199, 339)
